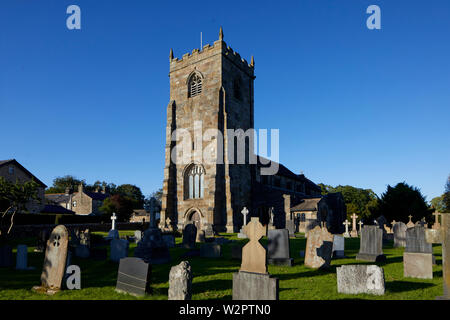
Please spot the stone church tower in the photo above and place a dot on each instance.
(211, 88)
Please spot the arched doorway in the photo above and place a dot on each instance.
(195, 218)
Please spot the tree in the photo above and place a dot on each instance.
(363, 202)
(155, 194)
(438, 203)
(133, 193)
(60, 184)
(446, 196)
(121, 205)
(13, 198)
(398, 202)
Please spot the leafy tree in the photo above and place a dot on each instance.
(61, 183)
(363, 202)
(13, 198)
(438, 204)
(133, 193)
(403, 200)
(121, 205)
(446, 196)
(155, 194)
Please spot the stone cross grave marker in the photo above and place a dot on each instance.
(253, 253)
(360, 226)
(241, 234)
(410, 224)
(436, 225)
(354, 232)
(55, 261)
(113, 221)
(346, 234)
(153, 207)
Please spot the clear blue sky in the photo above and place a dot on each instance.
(354, 106)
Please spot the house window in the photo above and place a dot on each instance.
(194, 182)
(74, 204)
(195, 85)
(11, 170)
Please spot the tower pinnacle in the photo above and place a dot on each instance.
(221, 34)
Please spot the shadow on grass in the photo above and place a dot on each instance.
(403, 286)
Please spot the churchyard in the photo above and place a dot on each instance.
(213, 277)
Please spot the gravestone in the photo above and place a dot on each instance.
(169, 240)
(346, 233)
(436, 225)
(371, 244)
(113, 233)
(357, 279)
(180, 282)
(360, 223)
(133, 276)
(241, 233)
(6, 256)
(399, 229)
(319, 248)
(152, 248)
(138, 236)
(271, 225)
(253, 282)
(278, 248)
(210, 250)
(55, 260)
(22, 258)
(418, 254)
(445, 240)
(200, 237)
(119, 249)
(290, 226)
(189, 236)
(338, 246)
(354, 232)
(410, 224)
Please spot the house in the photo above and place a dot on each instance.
(82, 202)
(13, 171)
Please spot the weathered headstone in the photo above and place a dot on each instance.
(180, 282)
(138, 234)
(399, 229)
(6, 256)
(278, 248)
(253, 282)
(189, 236)
(371, 244)
(152, 248)
(338, 246)
(210, 250)
(133, 276)
(357, 279)
(319, 248)
(119, 249)
(55, 261)
(418, 254)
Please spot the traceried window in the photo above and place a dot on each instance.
(195, 85)
(194, 182)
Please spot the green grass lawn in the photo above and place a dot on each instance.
(213, 277)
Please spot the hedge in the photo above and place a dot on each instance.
(31, 219)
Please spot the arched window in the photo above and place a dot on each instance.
(195, 85)
(194, 182)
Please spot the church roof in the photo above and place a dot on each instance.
(307, 205)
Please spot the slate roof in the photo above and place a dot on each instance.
(14, 161)
(97, 195)
(140, 212)
(54, 208)
(57, 197)
(307, 205)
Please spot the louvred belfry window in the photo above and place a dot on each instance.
(195, 85)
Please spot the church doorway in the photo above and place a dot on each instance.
(194, 218)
